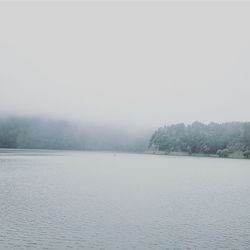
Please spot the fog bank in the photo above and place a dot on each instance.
(125, 64)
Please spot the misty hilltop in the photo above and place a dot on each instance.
(42, 133)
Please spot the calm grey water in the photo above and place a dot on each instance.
(93, 200)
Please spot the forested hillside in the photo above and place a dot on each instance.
(38, 133)
(230, 139)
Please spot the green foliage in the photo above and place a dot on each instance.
(226, 140)
(246, 154)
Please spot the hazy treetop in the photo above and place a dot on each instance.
(126, 63)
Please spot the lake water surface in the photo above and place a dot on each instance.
(95, 200)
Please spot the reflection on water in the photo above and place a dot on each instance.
(84, 200)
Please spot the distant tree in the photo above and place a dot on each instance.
(247, 154)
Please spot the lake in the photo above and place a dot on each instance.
(102, 200)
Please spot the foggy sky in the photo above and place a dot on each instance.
(129, 64)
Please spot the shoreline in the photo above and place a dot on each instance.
(193, 155)
(147, 152)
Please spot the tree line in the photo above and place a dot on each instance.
(231, 139)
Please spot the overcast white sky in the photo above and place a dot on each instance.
(136, 64)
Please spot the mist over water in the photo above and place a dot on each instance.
(44, 133)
